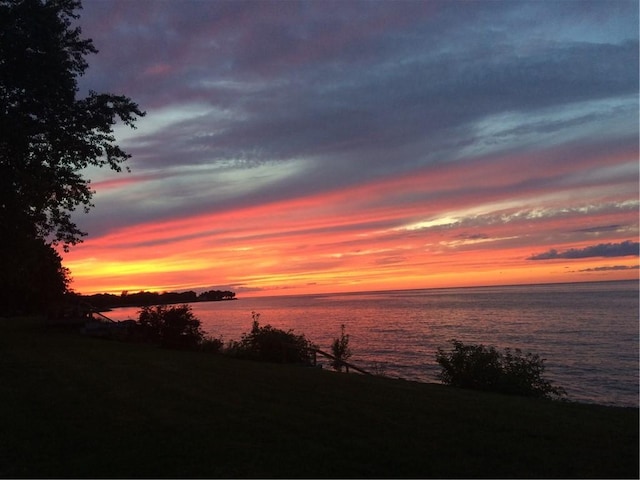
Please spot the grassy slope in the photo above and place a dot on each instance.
(79, 407)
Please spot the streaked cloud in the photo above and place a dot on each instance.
(600, 229)
(611, 268)
(319, 145)
(623, 249)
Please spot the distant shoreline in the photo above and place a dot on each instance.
(108, 309)
(104, 302)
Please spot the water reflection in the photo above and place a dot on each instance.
(587, 332)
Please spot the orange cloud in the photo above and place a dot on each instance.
(393, 233)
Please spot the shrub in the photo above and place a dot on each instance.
(211, 345)
(340, 350)
(171, 326)
(485, 368)
(270, 344)
(379, 369)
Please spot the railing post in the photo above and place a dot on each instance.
(341, 362)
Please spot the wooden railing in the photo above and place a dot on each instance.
(347, 365)
(94, 311)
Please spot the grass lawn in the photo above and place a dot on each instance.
(72, 406)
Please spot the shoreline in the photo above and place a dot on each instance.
(136, 411)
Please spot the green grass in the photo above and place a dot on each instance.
(72, 406)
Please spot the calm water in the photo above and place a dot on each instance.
(587, 332)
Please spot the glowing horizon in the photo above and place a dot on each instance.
(348, 240)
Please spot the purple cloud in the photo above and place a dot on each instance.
(611, 268)
(623, 249)
(599, 229)
(262, 102)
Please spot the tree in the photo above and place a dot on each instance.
(340, 350)
(216, 295)
(48, 135)
(485, 368)
(173, 327)
(33, 281)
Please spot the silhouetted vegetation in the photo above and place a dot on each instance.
(174, 327)
(271, 344)
(105, 301)
(211, 345)
(49, 138)
(32, 277)
(216, 295)
(340, 350)
(77, 407)
(484, 368)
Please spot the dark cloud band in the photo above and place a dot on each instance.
(623, 249)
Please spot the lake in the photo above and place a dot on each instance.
(587, 332)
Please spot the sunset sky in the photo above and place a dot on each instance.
(321, 146)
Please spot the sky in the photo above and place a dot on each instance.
(332, 146)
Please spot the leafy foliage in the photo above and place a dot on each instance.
(33, 281)
(211, 345)
(171, 326)
(271, 344)
(50, 136)
(485, 368)
(340, 350)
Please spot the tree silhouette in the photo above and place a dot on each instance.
(173, 326)
(32, 281)
(479, 367)
(340, 350)
(48, 135)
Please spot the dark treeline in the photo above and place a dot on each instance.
(103, 301)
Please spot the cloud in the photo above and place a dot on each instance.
(327, 81)
(623, 249)
(359, 89)
(599, 229)
(611, 268)
(390, 260)
(473, 236)
(282, 137)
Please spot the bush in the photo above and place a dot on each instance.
(340, 350)
(484, 368)
(171, 326)
(270, 344)
(211, 345)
